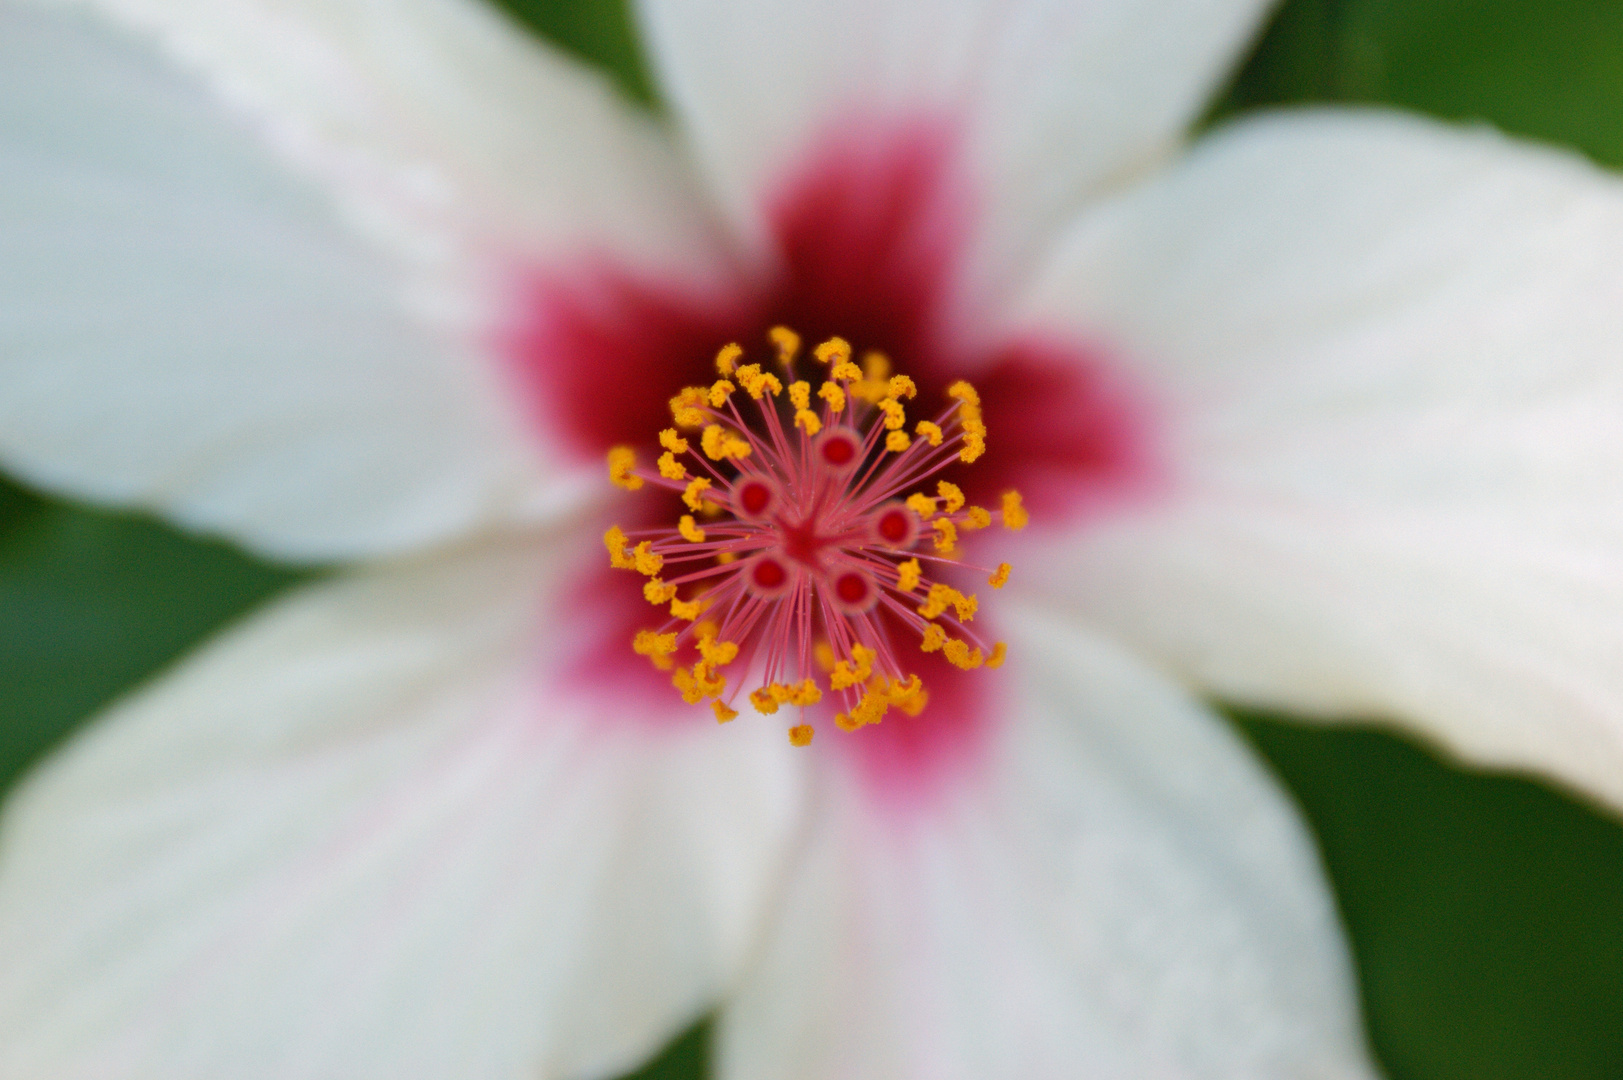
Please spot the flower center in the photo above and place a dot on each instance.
(806, 560)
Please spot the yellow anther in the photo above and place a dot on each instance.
(921, 504)
(805, 692)
(969, 418)
(673, 442)
(976, 518)
(845, 369)
(946, 535)
(788, 343)
(622, 459)
(801, 735)
(929, 431)
(897, 690)
(897, 441)
(823, 653)
(908, 696)
(845, 723)
(781, 692)
(687, 685)
(807, 419)
(657, 647)
(1000, 576)
(686, 609)
(718, 444)
(763, 701)
(833, 350)
(727, 358)
(1015, 515)
(933, 639)
(974, 447)
(694, 495)
(908, 575)
(937, 600)
(800, 394)
(725, 557)
(853, 672)
(706, 679)
(690, 530)
(875, 366)
(719, 390)
(615, 540)
(870, 710)
(901, 386)
(657, 592)
(685, 406)
(834, 395)
(959, 655)
(645, 560)
(723, 713)
(965, 606)
(999, 651)
(757, 382)
(717, 653)
(894, 416)
(670, 468)
(952, 497)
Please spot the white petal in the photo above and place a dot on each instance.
(368, 835)
(1387, 355)
(187, 326)
(1053, 98)
(1126, 894)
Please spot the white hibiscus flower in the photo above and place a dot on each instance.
(1321, 415)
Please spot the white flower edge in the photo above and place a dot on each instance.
(1385, 350)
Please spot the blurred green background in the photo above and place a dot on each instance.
(1485, 912)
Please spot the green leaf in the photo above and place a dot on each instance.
(92, 602)
(602, 32)
(1545, 69)
(1485, 911)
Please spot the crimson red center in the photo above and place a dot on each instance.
(869, 239)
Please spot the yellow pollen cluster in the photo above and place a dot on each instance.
(931, 432)
(969, 416)
(1015, 515)
(833, 351)
(831, 393)
(788, 343)
(685, 406)
(942, 596)
(670, 468)
(758, 382)
(803, 693)
(946, 535)
(1000, 576)
(615, 540)
(854, 671)
(976, 518)
(690, 530)
(657, 647)
(701, 680)
(693, 495)
(727, 358)
(719, 444)
(720, 390)
(622, 459)
(908, 575)
(880, 694)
